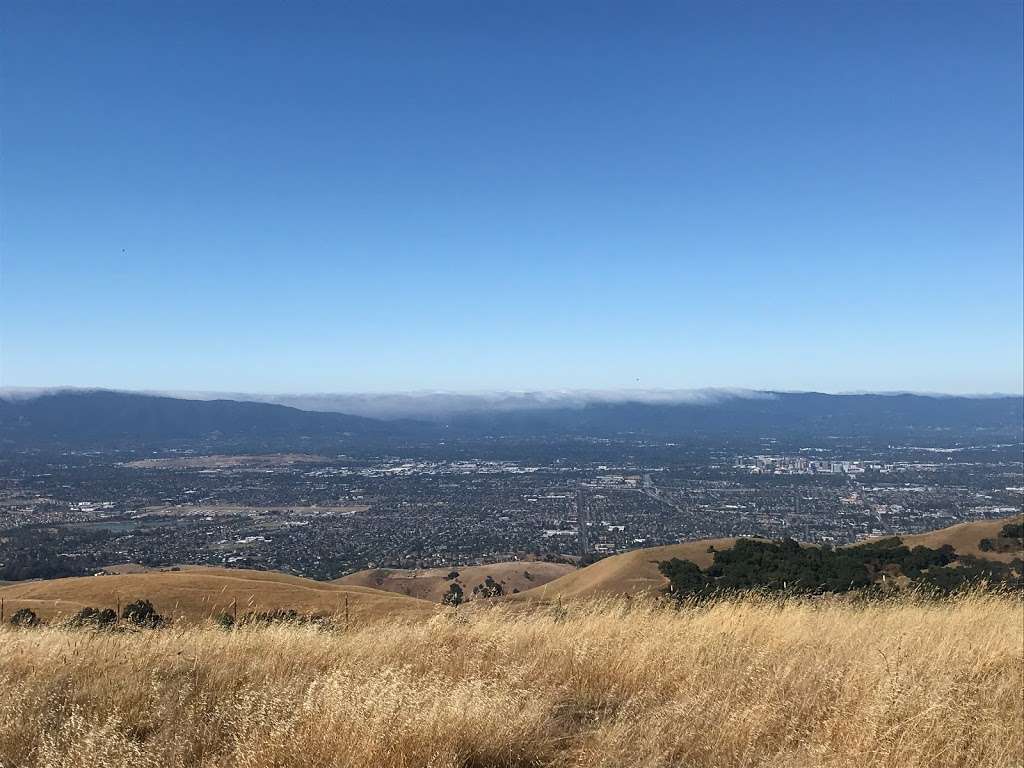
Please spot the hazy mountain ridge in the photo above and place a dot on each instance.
(806, 412)
(101, 416)
(104, 417)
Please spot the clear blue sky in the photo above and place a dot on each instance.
(373, 196)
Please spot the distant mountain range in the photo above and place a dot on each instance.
(766, 414)
(103, 417)
(107, 418)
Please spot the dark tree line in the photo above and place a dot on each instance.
(787, 566)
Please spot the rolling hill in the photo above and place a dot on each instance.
(631, 573)
(195, 594)
(432, 584)
(965, 538)
(636, 572)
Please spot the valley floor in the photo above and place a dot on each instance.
(746, 682)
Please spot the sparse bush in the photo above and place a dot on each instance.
(452, 575)
(96, 618)
(141, 613)
(25, 617)
(224, 620)
(284, 616)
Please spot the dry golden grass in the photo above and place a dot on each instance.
(745, 682)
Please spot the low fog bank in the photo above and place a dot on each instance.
(437, 405)
(429, 404)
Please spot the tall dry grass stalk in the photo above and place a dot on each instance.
(745, 682)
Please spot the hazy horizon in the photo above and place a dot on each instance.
(428, 404)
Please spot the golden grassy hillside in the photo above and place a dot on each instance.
(964, 538)
(196, 594)
(634, 572)
(433, 583)
(745, 682)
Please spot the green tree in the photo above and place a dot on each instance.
(489, 588)
(684, 577)
(454, 596)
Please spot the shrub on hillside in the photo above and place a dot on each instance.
(141, 613)
(489, 588)
(25, 617)
(96, 618)
(1009, 539)
(1012, 531)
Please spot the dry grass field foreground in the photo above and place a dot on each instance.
(750, 681)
